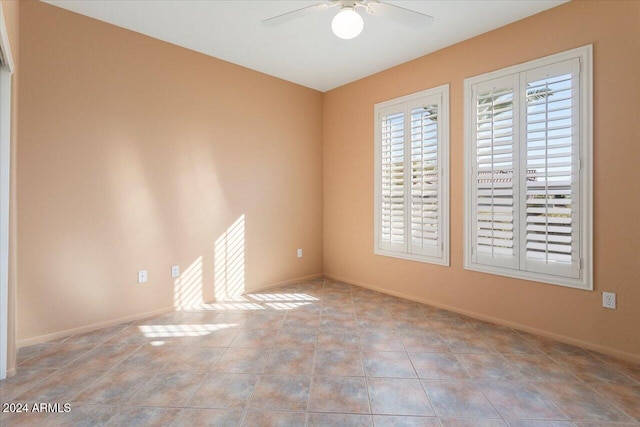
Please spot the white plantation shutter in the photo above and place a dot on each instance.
(411, 189)
(529, 183)
(551, 205)
(392, 190)
(425, 211)
(495, 173)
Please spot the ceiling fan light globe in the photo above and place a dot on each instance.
(347, 24)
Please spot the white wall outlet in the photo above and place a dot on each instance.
(300, 253)
(142, 276)
(609, 300)
(175, 271)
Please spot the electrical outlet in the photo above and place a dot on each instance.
(300, 253)
(175, 271)
(609, 300)
(142, 276)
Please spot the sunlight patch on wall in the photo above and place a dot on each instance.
(229, 262)
(187, 289)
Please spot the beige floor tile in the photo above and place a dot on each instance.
(581, 403)
(370, 323)
(625, 397)
(290, 361)
(242, 360)
(115, 387)
(539, 423)
(398, 396)
(98, 336)
(208, 418)
(337, 322)
(388, 364)
(57, 356)
(168, 389)
(423, 342)
(520, 400)
(404, 421)
(195, 359)
(380, 341)
(592, 369)
(103, 357)
(458, 399)
(84, 416)
(61, 386)
(321, 352)
(144, 417)
(25, 379)
(338, 420)
(334, 340)
(131, 336)
(281, 393)
(629, 368)
(255, 338)
(270, 323)
(339, 363)
(471, 422)
(23, 419)
(296, 338)
(274, 419)
(150, 357)
(224, 391)
(488, 367)
(512, 343)
(438, 366)
(467, 342)
(540, 368)
(339, 394)
(305, 321)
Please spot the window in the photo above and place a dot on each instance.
(412, 177)
(528, 155)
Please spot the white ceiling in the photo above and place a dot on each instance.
(304, 51)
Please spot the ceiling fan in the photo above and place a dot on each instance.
(348, 23)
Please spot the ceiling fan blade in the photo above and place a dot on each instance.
(296, 14)
(410, 18)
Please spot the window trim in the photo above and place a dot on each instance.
(6, 71)
(585, 282)
(444, 168)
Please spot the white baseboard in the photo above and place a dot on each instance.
(92, 327)
(540, 332)
(88, 328)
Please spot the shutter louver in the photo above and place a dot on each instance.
(392, 185)
(551, 172)
(425, 215)
(495, 176)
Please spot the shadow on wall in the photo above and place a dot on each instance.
(229, 266)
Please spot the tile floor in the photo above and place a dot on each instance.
(320, 353)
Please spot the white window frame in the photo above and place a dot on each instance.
(6, 70)
(585, 146)
(406, 103)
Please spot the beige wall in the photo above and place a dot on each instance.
(137, 154)
(613, 28)
(11, 15)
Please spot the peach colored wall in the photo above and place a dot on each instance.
(137, 154)
(12, 15)
(578, 316)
